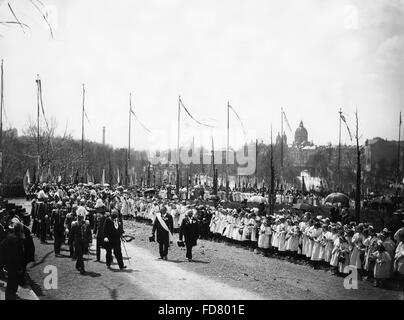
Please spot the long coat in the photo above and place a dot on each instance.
(113, 234)
(12, 254)
(189, 230)
(162, 234)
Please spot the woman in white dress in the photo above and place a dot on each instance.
(316, 236)
(358, 248)
(254, 223)
(329, 238)
(282, 229)
(292, 238)
(336, 251)
(370, 244)
(275, 234)
(310, 241)
(264, 238)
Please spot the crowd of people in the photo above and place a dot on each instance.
(79, 214)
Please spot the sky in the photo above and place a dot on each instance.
(308, 57)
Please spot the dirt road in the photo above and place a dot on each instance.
(219, 271)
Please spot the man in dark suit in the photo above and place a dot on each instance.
(12, 257)
(112, 232)
(99, 227)
(81, 236)
(190, 231)
(58, 226)
(164, 226)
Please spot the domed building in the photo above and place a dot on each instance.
(301, 136)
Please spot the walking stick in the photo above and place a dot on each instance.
(126, 252)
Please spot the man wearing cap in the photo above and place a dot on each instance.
(12, 257)
(57, 225)
(163, 225)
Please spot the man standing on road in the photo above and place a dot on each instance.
(12, 256)
(99, 227)
(81, 235)
(190, 230)
(58, 227)
(113, 231)
(163, 224)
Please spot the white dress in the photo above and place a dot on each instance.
(310, 242)
(317, 235)
(264, 237)
(282, 237)
(355, 258)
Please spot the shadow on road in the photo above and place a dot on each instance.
(122, 271)
(42, 260)
(92, 274)
(183, 261)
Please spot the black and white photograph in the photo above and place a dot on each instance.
(216, 151)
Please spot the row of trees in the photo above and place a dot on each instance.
(61, 157)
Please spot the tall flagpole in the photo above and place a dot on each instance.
(271, 208)
(399, 151)
(38, 136)
(1, 127)
(339, 151)
(281, 175)
(227, 153)
(82, 136)
(178, 147)
(128, 158)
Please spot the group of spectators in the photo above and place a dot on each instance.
(74, 214)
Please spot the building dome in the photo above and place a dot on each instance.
(301, 135)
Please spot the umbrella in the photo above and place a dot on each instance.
(338, 197)
(304, 206)
(150, 190)
(258, 199)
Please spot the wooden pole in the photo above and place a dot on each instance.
(339, 151)
(82, 136)
(399, 151)
(227, 153)
(272, 193)
(358, 173)
(128, 158)
(178, 147)
(38, 133)
(1, 127)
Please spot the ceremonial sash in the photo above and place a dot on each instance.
(163, 224)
